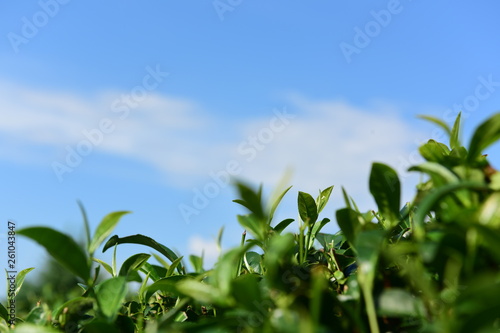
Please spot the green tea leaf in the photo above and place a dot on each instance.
(62, 248)
(395, 302)
(434, 151)
(455, 133)
(106, 266)
(4, 313)
(253, 262)
(104, 229)
(20, 278)
(438, 122)
(276, 203)
(110, 295)
(486, 134)
(174, 265)
(146, 241)
(85, 222)
(323, 198)
(251, 199)
(282, 225)
(133, 263)
(32, 328)
(489, 213)
(167, 285)
(307, 208)
(197, 263)
(246, 291)
(386, 190)
(350, 223)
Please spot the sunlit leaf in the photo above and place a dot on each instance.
(104, 229)
(62, 248)
(386, 190)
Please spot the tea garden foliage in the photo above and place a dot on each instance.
(430, 265)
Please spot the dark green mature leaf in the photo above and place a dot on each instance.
(455, 133)
(110, 295)
(282, 225)
(307, 208)
(316, 229)
(350, 223)
(76, 305)
(104, 229)
(257, 227)
(486, 134)
(62, 248)
(166, 285)
(133, 263)
(251, 199)
(4, 313)
(386, 190)
(146, 241)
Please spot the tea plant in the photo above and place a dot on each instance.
(430, 265)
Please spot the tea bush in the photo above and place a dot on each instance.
(430, 265)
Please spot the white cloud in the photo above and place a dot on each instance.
(198, 246)
(327, 142)
(333, 143)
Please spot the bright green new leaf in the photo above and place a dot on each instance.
(434, 151)
(197, 263)
(32, 328)
(173, 266)
(386, 190)
(276, 203)
(395, 302)
(307, 208)
(104, 229)
(489, 213)
(106, 266)
(486, 134)
(438, 122)
(62, 248)
(455, 133)
(323, 198)
(110, 295)
(20, 278)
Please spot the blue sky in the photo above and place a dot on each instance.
(162, 99)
